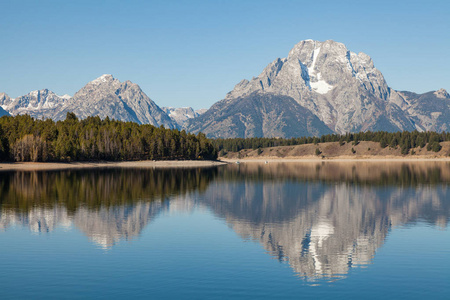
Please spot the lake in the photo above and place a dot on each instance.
(331, 230)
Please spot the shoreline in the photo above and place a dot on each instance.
(315, 159)
(48, 166)
(162, 164)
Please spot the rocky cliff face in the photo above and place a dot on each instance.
(181, 114)
(343, 89)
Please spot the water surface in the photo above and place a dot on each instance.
(285, 230)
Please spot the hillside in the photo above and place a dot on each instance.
(333, 150)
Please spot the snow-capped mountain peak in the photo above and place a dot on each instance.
(102, 79)
(38, 103)
(342, 89)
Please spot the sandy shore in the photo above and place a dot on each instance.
(30, 166)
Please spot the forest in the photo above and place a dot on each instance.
(23, 138)
(405, 140)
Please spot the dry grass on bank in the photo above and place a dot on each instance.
(333, 150)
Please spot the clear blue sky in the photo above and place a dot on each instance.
(191, 53)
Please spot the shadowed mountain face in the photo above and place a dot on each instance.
(342, 89)
(4, 98)
(260, 115)
(3, 112)
(321, 218)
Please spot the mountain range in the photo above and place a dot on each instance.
(342, 89)
(105, 97)
(319, 88)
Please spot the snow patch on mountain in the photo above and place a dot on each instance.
(65, 96)
(103, 78)
(314, 80)
(320, 86)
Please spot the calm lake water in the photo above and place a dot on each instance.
(285, 231)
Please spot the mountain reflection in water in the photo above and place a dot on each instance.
(107, 205)
(321, 218)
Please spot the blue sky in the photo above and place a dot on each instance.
(191, 53)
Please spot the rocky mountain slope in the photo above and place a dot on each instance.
(104, 97)
(259, 114)
(430, 111)
(108, 97)
(334, 150)
(181, 114)
(343, 89)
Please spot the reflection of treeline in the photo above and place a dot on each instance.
(96, 188)
(405, 140)
(23, 138)
(400, 175)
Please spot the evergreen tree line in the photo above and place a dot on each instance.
(23, 138)
(405, 140)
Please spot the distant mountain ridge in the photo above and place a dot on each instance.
(342, 89)
(108, 97)
(39, 104)
(103, 97)
(319, 88)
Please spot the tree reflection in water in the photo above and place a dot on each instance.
(321, 218)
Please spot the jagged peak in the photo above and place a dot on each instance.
(4, 95)
(243, 82)
(36, 93)
(103, 78)
(130, 84)
(312, 45)
(442, 93)
(366, 59)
